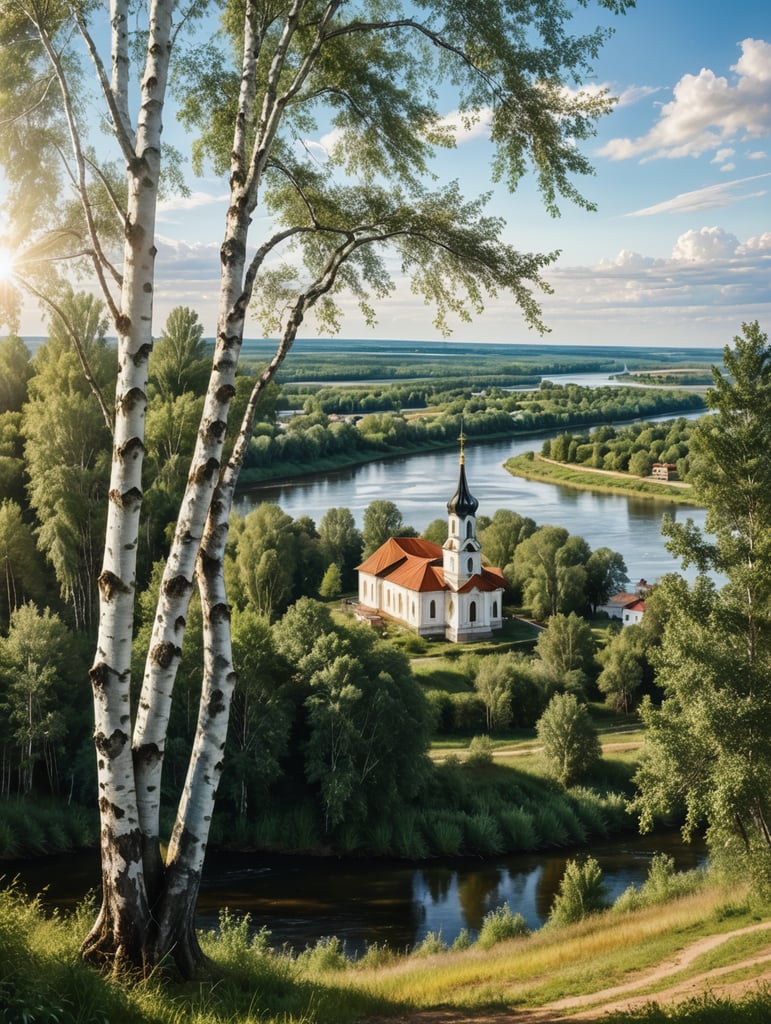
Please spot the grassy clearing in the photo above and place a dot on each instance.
(588, 480)
(42, 978)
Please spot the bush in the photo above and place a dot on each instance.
(327, 955)
(500, 925)
(569, 739)
(663, 883)
(432, 943)
(581, 892)
(480, 751)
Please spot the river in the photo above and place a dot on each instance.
(420, 485)
(303, 899)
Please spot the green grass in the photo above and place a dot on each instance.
(43, 980)
(586, 480)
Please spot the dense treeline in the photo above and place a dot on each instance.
(632, 449)
(320, 435)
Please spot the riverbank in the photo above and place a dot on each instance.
(532, 466)
(252, 478)
(703, 953)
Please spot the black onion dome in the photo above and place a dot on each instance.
(463, 502)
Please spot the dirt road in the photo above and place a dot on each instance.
(660, 984)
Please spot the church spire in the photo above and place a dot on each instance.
(463, 502)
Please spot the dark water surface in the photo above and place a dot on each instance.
(302, 899)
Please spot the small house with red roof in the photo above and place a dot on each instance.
(436, 590)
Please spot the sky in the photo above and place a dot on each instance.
(678, 252)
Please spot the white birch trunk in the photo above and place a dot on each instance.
(120, 932)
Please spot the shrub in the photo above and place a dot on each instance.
(581, 892)
(432, 943)
(500, 925)
(377, 956)
(327, 955)
(461, 941)
(480, 751)
(444, 832)
(483, 834)
(663, 883)
(519, 831)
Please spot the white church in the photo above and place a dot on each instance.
(436, 590)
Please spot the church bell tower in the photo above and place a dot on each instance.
(462, 554)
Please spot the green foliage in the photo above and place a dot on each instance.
(480, 751)
(550, 569)
(180, 359)
(331, 585)
(623, 662)
(500, 925)
(327, 955)
(431, 944)
(581, 892)
(663, 883)
(708, 750)
(566, 650)
(571, 746)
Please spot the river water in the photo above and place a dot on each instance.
(303, 899)
(420, 486)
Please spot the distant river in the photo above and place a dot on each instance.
(421, 485)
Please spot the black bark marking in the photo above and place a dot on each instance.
(148, 754)
(164, 653)
(177, 586)
(216, 429)
(205, 471)
(142, 354)
(112, 746)
(132, 398)
(216, 704)
(123, 324)
(100, 675)
(129, 500)
(225, 393)
(110, 584)
(220, 612)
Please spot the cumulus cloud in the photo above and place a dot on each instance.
(724, 194)
(708, 270)
(708, 111)
(466, 126)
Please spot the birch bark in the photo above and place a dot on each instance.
(120, 931)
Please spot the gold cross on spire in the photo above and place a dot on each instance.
(462, 440)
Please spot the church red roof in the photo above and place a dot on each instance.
(416, 564)
(396, 550)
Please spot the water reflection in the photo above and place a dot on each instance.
(303, 899)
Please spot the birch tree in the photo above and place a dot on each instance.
(277, 73)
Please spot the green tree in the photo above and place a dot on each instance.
(248, 93)
(340, 542)
(570, 744)
(21, 574)
(566, 650)
(623, 668)
(550, 567)
(331, 585)
(605, 575)
(37, 666)
(15, 373)
(382, 520)
(501, 537)
(493, 681)
(67, 450)
(260, 718)
(708, 745)
(262, 568)
(180, 358)
(436, 531)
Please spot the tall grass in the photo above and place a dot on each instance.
(35, 828)
(43, 980)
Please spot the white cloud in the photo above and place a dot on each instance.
(468, 125)
(722, 155)
(707, 111)
(194, 201)
(705, 244)
(726, 193)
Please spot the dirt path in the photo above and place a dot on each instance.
(719, 981)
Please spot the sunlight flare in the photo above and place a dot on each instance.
(6, 263)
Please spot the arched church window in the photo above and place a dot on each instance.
(469, 528)
(472, 611)
(495, 609)
(470, 564)
(432, 609)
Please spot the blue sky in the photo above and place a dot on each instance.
(679, 251)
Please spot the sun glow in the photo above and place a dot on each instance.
(6, 263)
